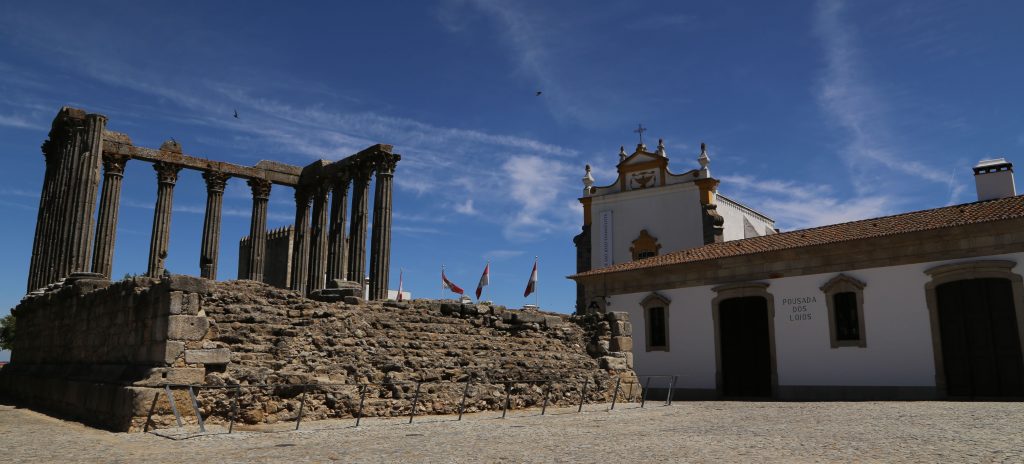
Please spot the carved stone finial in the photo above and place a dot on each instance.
(703, 159)
(622, 153)
(588, 181)
(661, 148)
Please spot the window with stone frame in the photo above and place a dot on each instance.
(656, 332)
(645, 246)
(844, 296)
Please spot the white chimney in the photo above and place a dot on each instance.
(994, 179)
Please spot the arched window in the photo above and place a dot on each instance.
(844, 296)
(655, 322)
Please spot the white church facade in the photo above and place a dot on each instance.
(921, 305)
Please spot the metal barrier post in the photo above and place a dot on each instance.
(508, 393)
(234, 408)
(583, 395)
(149, 417)
(174, 407)
(547, 392)
(671, 389)
(415, 400)
(465, 391)
(615, 395)
(302, 405)
(362, 396)
(647, 389)
(195, 407)
(629, 394)
(668, 399)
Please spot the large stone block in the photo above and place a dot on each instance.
(172, 350)
(552, 321)
(208, 356)
(622, 329)
(187, 284)
(617, 316)
(621, 344)
(187, 327)
(526, 317)
(612, 363)
(171, 375)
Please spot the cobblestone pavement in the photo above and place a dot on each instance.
(685, 431)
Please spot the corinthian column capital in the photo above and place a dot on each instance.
(166, 173)
(114, 164)
(215, 181)
(260, 188)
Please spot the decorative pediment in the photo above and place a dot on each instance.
(645, 246)
(642, 169)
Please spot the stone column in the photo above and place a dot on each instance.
(357, 227)
(380, 240)
(258, 228)
(300, 251)
(167, 176)
(318, 240)
(210, 249)
(106, 225)
(336, 253)
(43, 218)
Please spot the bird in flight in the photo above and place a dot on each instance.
(236, 114)
(539, 92)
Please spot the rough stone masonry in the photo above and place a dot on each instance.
(100, 352)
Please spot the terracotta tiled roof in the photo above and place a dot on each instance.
(929, 219)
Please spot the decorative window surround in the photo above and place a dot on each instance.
(843, 283)
(645, 246)
(654, 302)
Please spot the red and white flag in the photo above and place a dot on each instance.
(400, 284)
(448, 285)
(485, 280)
(531, 286)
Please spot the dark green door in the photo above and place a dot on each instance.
(745, 347)
(981, 352)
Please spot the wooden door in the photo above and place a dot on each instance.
(745, 347)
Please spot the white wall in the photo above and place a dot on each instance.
(670, 214)
(733, 224)
(898, 351)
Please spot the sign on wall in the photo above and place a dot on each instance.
(605, 246)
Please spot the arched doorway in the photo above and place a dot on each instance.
(980, 343)
(976, 311)
(744, 334)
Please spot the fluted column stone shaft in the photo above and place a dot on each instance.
(318, 240)
(337, 250)
(258, 228)
(300, 249)
(167, 176)
(106, 217)
(357, 226)
(380, 240)
(209, 251)
(43, 217)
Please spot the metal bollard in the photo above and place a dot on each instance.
(174, 406)
(647, 388)
(615, 395)
(508, 393)
(234, 408)
(465, 391)
(302, 405)
(362, 396)
(547, 393)
(583, 396)
(195, 408)
(671, 389)
(629, 394)
(415, 401)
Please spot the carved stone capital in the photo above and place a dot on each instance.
(302, 195)
(260, 188)
(215, 181)
(385, 164)
(114, 164)
(166, 173)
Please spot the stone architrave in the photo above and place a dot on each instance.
(337, 251)
(380, 240)
(318, 240)
(258, 228)
(361, 176)
(300, 256)
(167, 176)
(209, 252)
(106, 225)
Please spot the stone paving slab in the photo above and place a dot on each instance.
(683, 432)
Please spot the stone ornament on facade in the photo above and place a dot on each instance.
(215, 181)
(645, 246)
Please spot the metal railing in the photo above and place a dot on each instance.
(628, 390)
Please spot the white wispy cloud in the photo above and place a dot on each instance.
(848, 97)
(20, 122)
(499, 255)
(466, 208)
(193, 209)
(536, 184)
(798, 205)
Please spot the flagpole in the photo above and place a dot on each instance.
(536, 293)
(488, 267)
(441, 297)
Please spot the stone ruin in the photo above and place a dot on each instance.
(106, 352)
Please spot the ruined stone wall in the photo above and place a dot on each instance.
(278, 257)
(140, 334)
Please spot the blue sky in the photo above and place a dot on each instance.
(813, 112)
